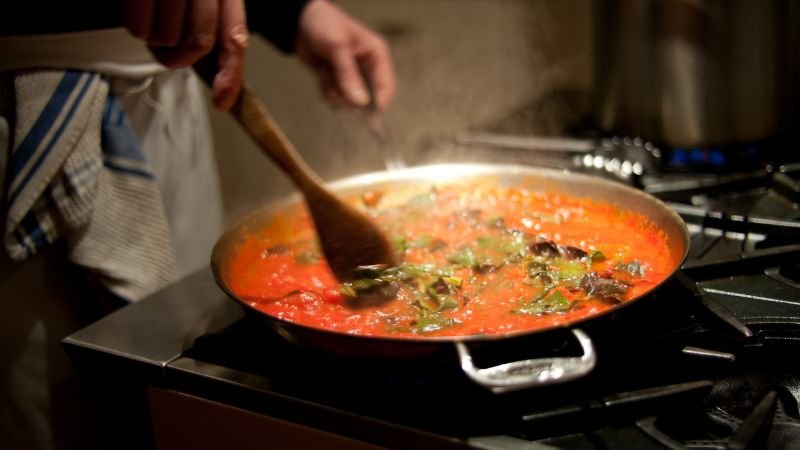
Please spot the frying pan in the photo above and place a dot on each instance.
(398, 185)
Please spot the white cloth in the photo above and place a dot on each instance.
(76, 171)
(169, 114)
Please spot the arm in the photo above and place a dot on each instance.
(276, 21)
(339, 48)
(332, 44)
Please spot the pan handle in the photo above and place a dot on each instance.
(530, 372)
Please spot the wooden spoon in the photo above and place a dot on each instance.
(348, 238)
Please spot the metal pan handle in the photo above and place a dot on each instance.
(531, 372)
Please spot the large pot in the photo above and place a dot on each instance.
(696, 73)
(401, 183)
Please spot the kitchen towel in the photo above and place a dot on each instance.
(76, 172)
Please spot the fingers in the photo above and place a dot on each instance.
(232, 42)
(159, 23)
(377, 65)
(330, 90)
(327, 83)
(137, 17)
(167, 24)
(367, 61)
(199, 35)
(357, 59)
(348, 76)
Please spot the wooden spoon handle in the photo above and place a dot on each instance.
(253, 116)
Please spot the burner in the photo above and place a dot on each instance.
(791, 272)
(756, 420)
(786, 182)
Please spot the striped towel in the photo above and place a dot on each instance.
(76, 171)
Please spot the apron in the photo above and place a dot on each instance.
(46, 298)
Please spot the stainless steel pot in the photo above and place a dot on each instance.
(694, 73)
(398, 185)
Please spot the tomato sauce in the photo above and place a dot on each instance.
(476, 260)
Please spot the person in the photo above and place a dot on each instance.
(110, 189)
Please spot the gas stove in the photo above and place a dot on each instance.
(713, 369)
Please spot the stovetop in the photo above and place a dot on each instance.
(712, 367)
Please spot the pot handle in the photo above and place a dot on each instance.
(530, 372)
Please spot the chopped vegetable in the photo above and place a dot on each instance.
(595, 286)
(595, 256)
(464, 256)
(553, 303)
(431, 321)
(307, 258)
(634, 268)
(371, 198)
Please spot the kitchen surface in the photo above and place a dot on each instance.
(705, 361)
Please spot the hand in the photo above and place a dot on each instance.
(180, 32)
(339, 48)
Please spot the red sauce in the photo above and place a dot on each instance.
(476, 260)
